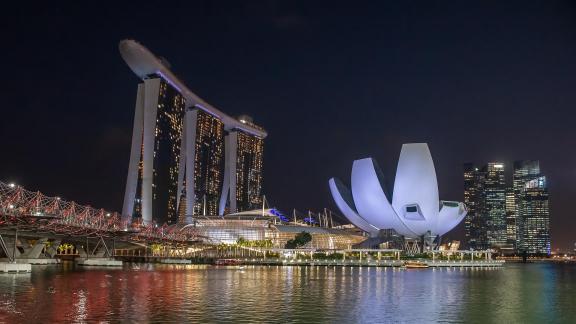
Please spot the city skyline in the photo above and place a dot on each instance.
(326, 103)
(510, 215)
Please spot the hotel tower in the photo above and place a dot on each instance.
(187, 157)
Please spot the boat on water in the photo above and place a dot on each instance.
(227, 262)
(416, 265)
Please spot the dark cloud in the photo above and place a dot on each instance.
(111, 142)
(292, 22)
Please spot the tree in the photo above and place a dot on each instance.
(299, 240)
(241, 241)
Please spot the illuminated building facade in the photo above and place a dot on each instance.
(485, 198)
(255, 226)
(152, 185)
(475, 223)
(532, 208)
(512, 219)
(208, 158)
(412, 210)
(511, 232)
(494, 206)
(535, 211)
(243, 175)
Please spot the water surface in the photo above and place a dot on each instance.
(518, 293)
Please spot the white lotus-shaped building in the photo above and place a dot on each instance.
(412, 210)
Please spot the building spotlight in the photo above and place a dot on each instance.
(12, 185)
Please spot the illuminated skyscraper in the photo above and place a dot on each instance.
(485, 198)
(208, 157)
(524, 171)
(152, 185)
(535, 214)
(243, 176)
(495, 204)
(532, 208)
(511, 236)
(475, 223)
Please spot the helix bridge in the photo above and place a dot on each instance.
(33, 214)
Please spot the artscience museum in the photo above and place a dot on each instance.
(413, 209)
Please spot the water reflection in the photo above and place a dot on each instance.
(165, 293)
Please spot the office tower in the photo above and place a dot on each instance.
(243, 175)
(535, 211)
(485, 198)
(475, 222)
(495, 204)
(510, 220)
(532, 208)
(524, 171)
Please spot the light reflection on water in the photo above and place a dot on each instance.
(166, 293)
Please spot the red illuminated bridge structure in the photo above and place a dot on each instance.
(33, 216)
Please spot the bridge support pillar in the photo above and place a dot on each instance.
(52, 250)
(35, 251)
(81, 251)
(10, 244)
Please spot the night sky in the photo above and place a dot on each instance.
(478, 81)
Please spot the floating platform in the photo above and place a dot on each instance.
(102, 262)
(15, 267)
(44, 261)
(176, 261)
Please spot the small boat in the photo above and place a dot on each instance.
(416, 265)
(227, 262)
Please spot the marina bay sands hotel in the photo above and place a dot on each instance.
(187, 157)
